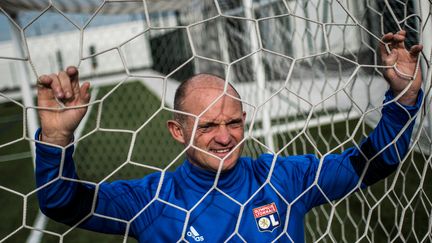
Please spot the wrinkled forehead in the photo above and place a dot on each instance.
(213, 101)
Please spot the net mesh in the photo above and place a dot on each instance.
(307, 71)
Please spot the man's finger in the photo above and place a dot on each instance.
(65, 84)
(415, 50)
(56, 86)
(398, 41)
(382, 46)
(387, 37)
(401, 32)
(73, 73)
(398, 38)
(84, 92)
(44, 88)
(44, 81)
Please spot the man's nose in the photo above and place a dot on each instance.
(223, 135)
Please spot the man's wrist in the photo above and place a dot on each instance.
(399, 113)
(408, 99)
(57, 140)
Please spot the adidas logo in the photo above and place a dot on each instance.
(194, 234)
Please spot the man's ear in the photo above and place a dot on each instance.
(176, 130)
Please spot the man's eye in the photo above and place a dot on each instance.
(205, 128)
(235, 124)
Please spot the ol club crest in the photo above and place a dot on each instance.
(266, 217)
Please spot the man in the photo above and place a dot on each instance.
(252, 200)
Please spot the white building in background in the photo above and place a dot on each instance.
(53, 52)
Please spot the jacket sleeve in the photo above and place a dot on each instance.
(316, 181)
(66, 200)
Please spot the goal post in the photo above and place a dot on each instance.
(308, 73)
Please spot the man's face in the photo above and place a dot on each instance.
(220, 129)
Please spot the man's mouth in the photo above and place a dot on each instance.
(221, 152)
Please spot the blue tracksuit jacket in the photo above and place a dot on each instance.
(245, 205)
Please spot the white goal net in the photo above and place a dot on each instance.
(308, 73)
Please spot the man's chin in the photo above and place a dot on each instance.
(228, 165)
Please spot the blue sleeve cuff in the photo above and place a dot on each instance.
(399, 113)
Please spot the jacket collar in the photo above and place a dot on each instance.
(202, 180)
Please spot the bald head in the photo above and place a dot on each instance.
(218, 129)
(198, 85)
